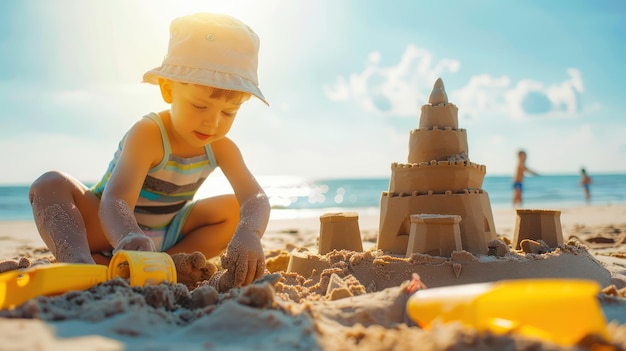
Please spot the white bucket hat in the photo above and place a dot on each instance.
(212, 50)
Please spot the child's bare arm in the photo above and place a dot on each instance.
(118, 222)
(528, 170)
(244, 255)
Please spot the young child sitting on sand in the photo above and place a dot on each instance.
(145, 200)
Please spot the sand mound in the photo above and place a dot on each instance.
(356, 304)
(259, 316)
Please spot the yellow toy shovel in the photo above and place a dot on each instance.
(140, 267)
(560, 310)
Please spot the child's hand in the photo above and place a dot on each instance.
(244, 258)
(135, 242)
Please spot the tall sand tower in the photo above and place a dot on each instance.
(438, 179)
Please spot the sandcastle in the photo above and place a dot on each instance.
(437, 218)
(438, 179)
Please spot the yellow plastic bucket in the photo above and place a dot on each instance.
(142, 267)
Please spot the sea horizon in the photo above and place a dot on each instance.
(298, 197)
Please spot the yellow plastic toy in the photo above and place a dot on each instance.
(140, 267)
(559, 310)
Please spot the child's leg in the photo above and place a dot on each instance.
(209, 227)
(65, 212)
(517, 193)
(517, 197)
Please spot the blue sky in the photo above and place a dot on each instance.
(344, 79)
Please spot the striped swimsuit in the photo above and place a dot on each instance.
(165, 200)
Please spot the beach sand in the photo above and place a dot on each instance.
(287, 311)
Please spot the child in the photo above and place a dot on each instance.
(585, 182)
(519, 178)
(144, 200)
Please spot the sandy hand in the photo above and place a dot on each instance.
(244, 259)
(192, 268)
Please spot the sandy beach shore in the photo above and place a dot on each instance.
(288, 312)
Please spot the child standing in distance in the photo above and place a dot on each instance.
(585, 182)
(519, 177)
(145, 200)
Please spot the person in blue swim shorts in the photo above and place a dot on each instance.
(519, 178)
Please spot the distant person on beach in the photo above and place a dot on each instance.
(145, 200)
(585, 182)
(519, 177)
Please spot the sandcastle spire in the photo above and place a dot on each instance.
(438, 96)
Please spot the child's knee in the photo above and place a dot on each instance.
(47, 182)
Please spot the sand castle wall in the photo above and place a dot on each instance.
(477, 227)
(437, 235)
(436, 143)
(442, 114)
(538, 224)
(340, 231)
(437, 176)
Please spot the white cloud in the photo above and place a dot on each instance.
(482, 93)
(338, 92)
(395, 90)
(400, 90)
(564, 96)
(527, 98)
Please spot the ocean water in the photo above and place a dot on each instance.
(298, 198)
